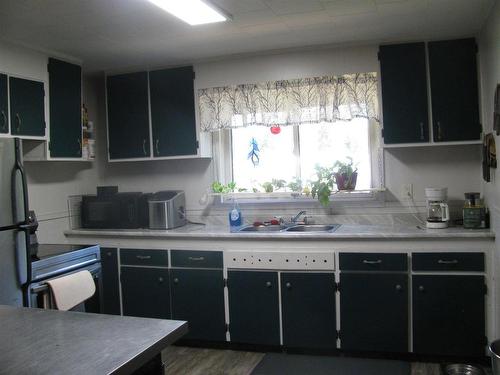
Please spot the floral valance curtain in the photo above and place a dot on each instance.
(290, 102)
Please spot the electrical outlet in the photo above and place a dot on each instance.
(407, 191)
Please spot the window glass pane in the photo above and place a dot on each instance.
(323, 144)
(276, 158)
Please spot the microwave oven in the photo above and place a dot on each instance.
(116, 211)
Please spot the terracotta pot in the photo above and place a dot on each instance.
(345, 182)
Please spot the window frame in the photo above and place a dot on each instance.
(223, 172)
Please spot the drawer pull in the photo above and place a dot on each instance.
(454, 261)
(143, 257)
(196, 259)
(372, 261)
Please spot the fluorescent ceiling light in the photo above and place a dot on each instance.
(194, 12)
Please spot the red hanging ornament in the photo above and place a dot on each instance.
(275, 129)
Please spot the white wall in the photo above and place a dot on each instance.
(51, 182)
(489, 48)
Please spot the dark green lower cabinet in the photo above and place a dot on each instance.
(254, 307)
(308, 310)
(198, 297)
(374, 311)
(110, 282)
(145, 292)
(4, 112)
(448, 315)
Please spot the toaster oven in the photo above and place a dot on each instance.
(167, 209)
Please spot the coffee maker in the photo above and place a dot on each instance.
(438, 212)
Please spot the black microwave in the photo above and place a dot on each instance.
(117, 211)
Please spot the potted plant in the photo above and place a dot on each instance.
(345, 175)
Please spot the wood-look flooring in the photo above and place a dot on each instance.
(198, 361)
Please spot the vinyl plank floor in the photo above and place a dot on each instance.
(200, 361)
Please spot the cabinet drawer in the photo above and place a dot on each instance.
(448, 262)
(141, 257)
(196, 259)
(373, 262)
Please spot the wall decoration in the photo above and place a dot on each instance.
(300, 101)
(253, 155)
(496, 111)
(275, 130)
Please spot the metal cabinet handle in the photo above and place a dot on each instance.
(157, 146)
(378, 261)
(399, 288)
(79, 151)
(160, 279)
(268, 284)
(454, 261)
(4, 120)
(143, 257)
(440, 133)
(196, 259)
(421, 288)
(422, 131)
(144, 147)
(288, 285)
(176, 281)
(18, 122)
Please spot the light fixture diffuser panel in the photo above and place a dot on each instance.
(194, 12)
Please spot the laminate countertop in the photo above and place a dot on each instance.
(36, 341)
(344, 232)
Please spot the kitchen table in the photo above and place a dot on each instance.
(36, 341)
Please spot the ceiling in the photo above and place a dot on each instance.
(113, 34)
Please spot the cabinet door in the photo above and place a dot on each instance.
(65, 97)
(374, 311)
(145, 292)
(4, 112)
(198, 297)
(110, 282)
(308, 310)
(254, 307)
(404, 93)
(128, 116)
(448, 315)
(454, 88)
(172, 112)
(27, 107)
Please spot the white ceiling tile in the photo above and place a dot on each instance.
(238, 6)
(347, 7)
(283, 7)
(306, 19)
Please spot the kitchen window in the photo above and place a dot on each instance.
(270, 137)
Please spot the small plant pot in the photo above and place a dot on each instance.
(346, 182)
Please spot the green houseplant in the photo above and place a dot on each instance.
(343, 175)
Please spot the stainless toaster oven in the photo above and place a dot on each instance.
(167, 209)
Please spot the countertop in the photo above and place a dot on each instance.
(346, 231)
(35, 341)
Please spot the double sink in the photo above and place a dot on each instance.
(295, 228)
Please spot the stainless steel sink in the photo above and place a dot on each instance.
(262, 228)
(313, 228)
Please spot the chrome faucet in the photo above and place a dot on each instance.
(296, 218)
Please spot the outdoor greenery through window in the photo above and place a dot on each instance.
(266, 159)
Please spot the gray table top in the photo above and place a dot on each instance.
(35, 341)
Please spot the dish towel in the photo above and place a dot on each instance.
(71, 290)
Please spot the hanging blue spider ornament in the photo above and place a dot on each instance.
(253, 155)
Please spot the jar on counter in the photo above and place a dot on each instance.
(474, 212)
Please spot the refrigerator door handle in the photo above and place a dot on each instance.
(18, 167)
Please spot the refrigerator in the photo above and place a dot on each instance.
(15, 262)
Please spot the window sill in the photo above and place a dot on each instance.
(368, 195)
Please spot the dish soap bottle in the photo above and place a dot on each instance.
(235, 219)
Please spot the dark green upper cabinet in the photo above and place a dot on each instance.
(27, 107)
(454, 90)
(4, 112)
(404, 93)
(65, 97)
(128, 116)
(173, 112)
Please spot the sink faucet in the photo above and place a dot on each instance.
(296, 218)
